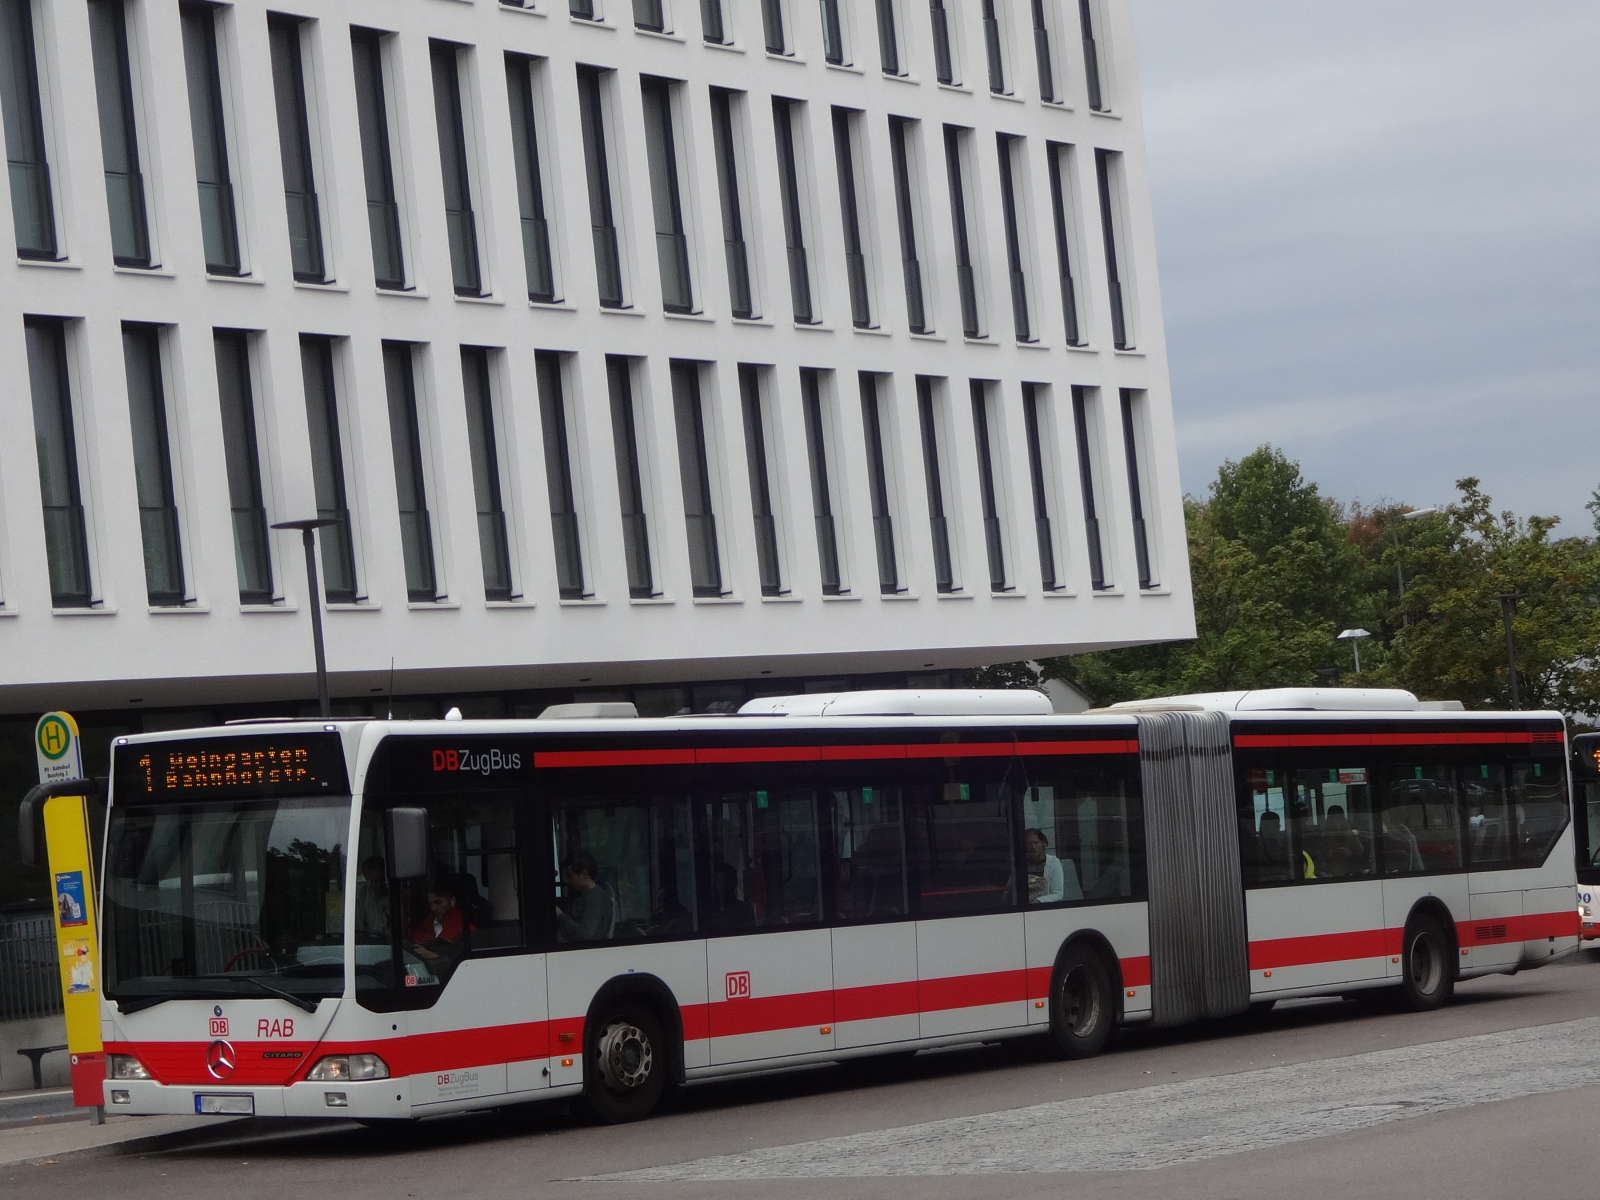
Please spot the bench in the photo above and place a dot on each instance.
(35, 1053)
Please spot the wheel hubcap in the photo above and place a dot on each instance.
(1080, 1001)
(1425, 967)
(626, 1056)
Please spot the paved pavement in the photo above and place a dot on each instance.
(1494, 1096)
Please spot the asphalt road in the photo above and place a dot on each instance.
(1497, 1095)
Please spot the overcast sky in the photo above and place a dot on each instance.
(1379, 235)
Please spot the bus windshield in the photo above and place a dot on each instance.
(226, 899)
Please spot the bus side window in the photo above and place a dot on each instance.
(1421, 826)
(869, 840)
(1267, 853)
(625, 869)
(1332, 823)
(960, 838)
(763, 858)
(1083, 809)
(1488, 815)
(1538, 790)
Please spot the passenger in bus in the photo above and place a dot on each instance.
(1340, 851)
(443, 932)
(1050, 881)
(589, 915)
(372, 898)
(732, 912)
(1273, 845)
(1400, 850)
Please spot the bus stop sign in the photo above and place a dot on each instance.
(55, 740)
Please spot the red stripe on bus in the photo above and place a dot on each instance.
(1489, 738)
(742, 754)
(686, 756)
(613, 758)
(765, 1014)
(875, 1001)
(1320, 948)
(1118, 746)
(1563, 923)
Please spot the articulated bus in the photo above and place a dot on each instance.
(382, 920)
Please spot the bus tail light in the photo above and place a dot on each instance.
(125, 1066)
(348, 1066)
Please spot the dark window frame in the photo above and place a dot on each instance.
(565, 524)
(27, 146)
(340, 582)
(878, 486)
(741, 300)
(597, 166)
(159, 524)
(119, 134)
(855, 259)
(1057, 157)
(994, 537)
(661, 153)
(411, 476)
(295, 149)
(208, 126)
(384, 225)
(794, 231)
(1049, 577)
(236, 394)
(821, 484)
(694, 476)
(933, 476)
(906, 218)
(1087, 480)
(630, 478)
(455, 168)
(60, 481)
(1131, 443)
(537, 259)
(494, 543)
(1007, 147)
(769, 563)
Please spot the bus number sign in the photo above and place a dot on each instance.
(738, 985)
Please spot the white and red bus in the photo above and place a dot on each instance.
(395, 919)
(1586, 830)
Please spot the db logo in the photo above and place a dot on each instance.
(219, 1027)
(738, 985)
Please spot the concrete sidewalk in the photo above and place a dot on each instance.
(53, 1137)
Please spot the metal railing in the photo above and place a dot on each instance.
(968, 287)
(30, 979)
(305, 236)
(32, 210)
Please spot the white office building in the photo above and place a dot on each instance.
(625, 342)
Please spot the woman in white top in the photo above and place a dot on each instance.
(1049, 879)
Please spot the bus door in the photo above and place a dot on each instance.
(1311, 849)
(874, 937)
(769, 962)
(1421, 846)
(962, 832)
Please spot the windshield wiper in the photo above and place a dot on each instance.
(300, 1002)
(133, 1004)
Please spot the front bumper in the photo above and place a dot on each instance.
(370, 1098)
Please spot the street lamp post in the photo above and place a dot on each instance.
(1416, 514)
(314, 602)
(1354, 636)
(1508, 605)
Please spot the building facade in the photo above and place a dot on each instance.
(625, 342)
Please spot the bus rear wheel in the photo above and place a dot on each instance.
(1427, 979)
(626, 1067)
(1082, 1007)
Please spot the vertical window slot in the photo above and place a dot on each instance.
(933, 474)
(993, 529)
(461, 222)
(55, 438)
(1086, 477)
(821, 483)
(119, 134)
(372, 115)
(794, 234)
(410, 479)
(878, 486)
(208, 124)
(241, 452)
(1105, 164)
(694, 473)
(855, 260)
(740, 300)
(1059, 164)
(327, 470)
(905, 205)
(602, 226)
(152, 466)
(768, 563)
(1009, 148)
(558, 477)
(630, 482)
(484, 446)
(672, 245)
(1039, 478)
(536, 256)
(966, 280)
(1133, 446)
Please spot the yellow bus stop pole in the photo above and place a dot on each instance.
(72, 875)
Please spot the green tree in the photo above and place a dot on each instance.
(1450, 643)
(1273, 573)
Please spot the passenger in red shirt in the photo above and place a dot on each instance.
(444, 923)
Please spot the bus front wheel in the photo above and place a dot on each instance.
(1082, 1007)
(626, 1064)
(1427, 978)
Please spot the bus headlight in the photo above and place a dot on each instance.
(349, 1066)
(125, 1066)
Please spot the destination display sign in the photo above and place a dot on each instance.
(252, 766)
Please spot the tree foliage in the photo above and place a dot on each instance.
(1278, 570)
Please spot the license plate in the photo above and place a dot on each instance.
(232, 1105)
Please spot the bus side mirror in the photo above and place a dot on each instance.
(408, 842)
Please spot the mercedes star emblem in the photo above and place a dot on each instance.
(221, 1060)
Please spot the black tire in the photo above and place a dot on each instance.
(1083, 1006)
(625, 1063)
(1427, 964)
